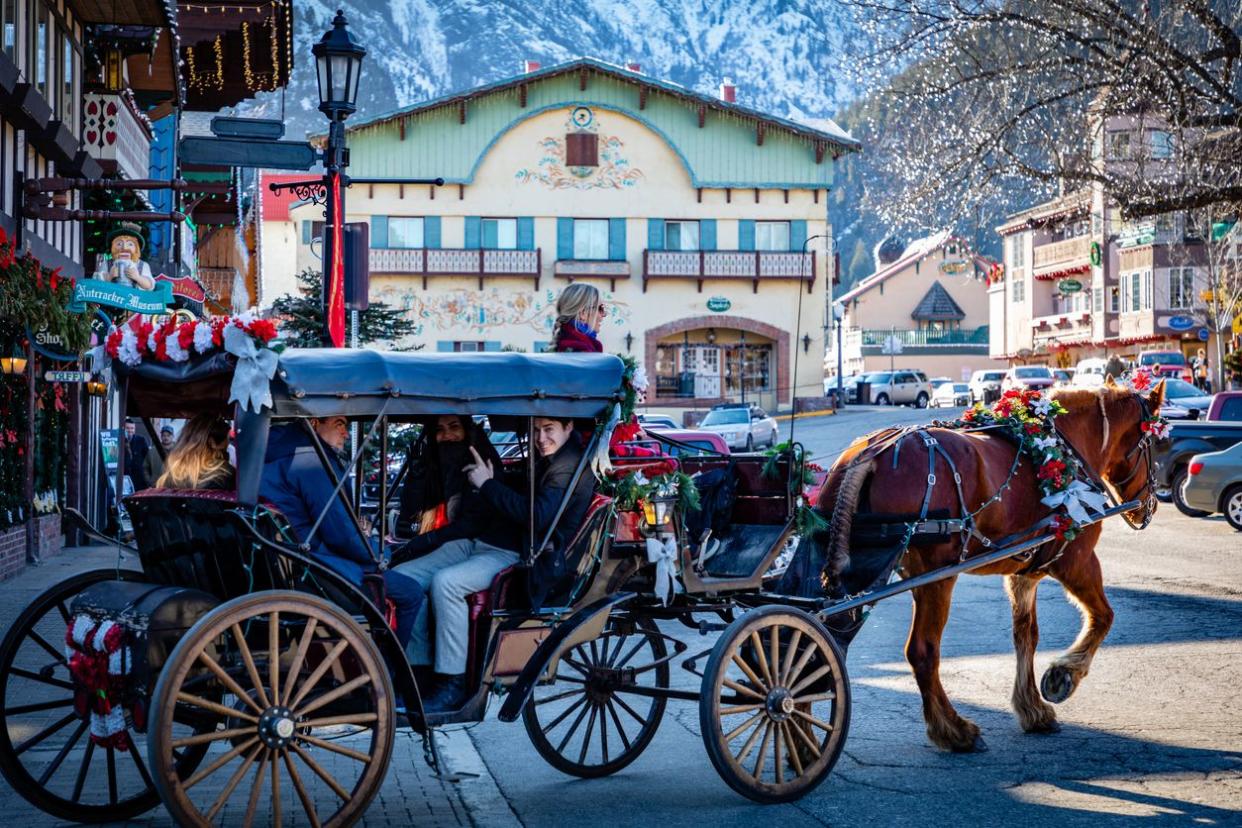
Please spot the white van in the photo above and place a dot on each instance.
(1090, 373)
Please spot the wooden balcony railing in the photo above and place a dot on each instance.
(457, 262)
(755, 265)
(1062, 254)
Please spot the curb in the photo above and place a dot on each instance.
(479, 792)
(810, 415)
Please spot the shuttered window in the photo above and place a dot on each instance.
(582, 149)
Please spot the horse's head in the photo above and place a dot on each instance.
(1116, 442)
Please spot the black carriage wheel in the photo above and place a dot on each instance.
(46, 753)
(775, 706)
(304, 708)
(590, 722)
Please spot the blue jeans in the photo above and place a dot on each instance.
(405, 593)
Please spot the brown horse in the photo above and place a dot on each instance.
(1105, 428)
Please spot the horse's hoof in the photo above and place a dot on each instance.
(1045, 727)
(1057, 684)
(979, 746)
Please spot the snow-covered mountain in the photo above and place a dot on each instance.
(782, 54)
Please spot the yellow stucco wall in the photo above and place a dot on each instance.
(511, 182)
(889, 305)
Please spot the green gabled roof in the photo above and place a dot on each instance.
(823, 129)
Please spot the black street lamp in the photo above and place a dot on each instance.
(338, 63)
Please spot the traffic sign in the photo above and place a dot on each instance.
(1203, 334)
(248, 152)
(891, 345)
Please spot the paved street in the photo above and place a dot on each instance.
(1154, 732)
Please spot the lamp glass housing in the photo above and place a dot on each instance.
(338, 65)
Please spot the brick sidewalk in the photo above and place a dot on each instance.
(410, 794)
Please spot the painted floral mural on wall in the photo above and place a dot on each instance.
(613, 172)
(479, 312)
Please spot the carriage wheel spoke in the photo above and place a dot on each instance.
(573, 728)
(275, 774)
(777, 730)
(595, 659)
(565, 714)
(42, 679)
(352, 718)
(757, 644)
(741, 708)
(762, 759)
(142, 768)
(616, 651)
(63, 610)
(642, 639)
(740, 729)
(231, 785)
(328, 778)
(804, 738)
(559, 696)
(774, 657)
(35, 708)
(743, 689)
(811, 679)
(822, 725)
(580, 666)
(300, 656)
(213, 736)
(307, 805)
(586, 740)
(43, 734)
(616, 721)
(244, 649)
(333, 695)
(801, 663)
(111, 775)
(750, 674)
(214, 707)
(228, 681)
(52, 651)
(794, 758)
(570, 679)
(86, 763)
(253, 804)
(273, 652)
(603, 733)
(629, 710)
(60, 756)
(818, 697)
(791, 650)
(221, 762)
(335, 748)
(750, 745)
(318, 672)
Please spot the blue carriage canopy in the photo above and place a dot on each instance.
(362, 383)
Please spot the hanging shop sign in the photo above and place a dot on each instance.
(65, 376)
(718, 304)
(954, 266)
(187, 293)
(113, 295)
(1181, 323)
(1069, 286)
(1096, 256)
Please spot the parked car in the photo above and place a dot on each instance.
(985, 385)
(1166, 363)
(657, 421)
(936, 382)
(743, 426)
(1186, 439)
(1214, 484)
(847, 382)
(1064, 377)
(686, 442)
(1182, 401)
(951, 395)
(1028, 378)
(1226, 407)
(851, 386)
(901, 387)
(1090, 373)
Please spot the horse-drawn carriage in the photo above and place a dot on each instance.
(234, 676)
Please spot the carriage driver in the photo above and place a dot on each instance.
(470, 551)
(297, 485)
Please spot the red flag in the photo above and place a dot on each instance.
(335, 305)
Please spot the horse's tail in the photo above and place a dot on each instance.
(838, 503)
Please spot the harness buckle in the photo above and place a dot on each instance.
(931, 480)
(930, 441)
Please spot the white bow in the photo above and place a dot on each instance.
(664, 556)
(1077, 498)
(255, 369)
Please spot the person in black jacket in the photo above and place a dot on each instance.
(489, 537)
(436, 490)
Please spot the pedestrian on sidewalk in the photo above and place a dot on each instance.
(579, 313)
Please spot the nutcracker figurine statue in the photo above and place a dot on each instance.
(124, 265)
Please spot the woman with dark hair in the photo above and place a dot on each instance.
(435, 483)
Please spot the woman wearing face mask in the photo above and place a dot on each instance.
(436, 483)
(580, 312)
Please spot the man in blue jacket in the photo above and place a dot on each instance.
(297, 485)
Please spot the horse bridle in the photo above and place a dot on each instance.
(1145, 461)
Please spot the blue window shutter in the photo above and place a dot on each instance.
(379, 231)
(474, 232)
(616, 240)
(745, 235)
(526, 233)
(797, 235)
(655, 234)
(707, 234)
(444, 345)
(492, 345)
(491, 235)
(431, 232)
(306, 234)
(564, 238)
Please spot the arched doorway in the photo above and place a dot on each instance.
(701, 360)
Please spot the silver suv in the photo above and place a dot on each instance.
(742, 426)
(985, 385)
(899, 388)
